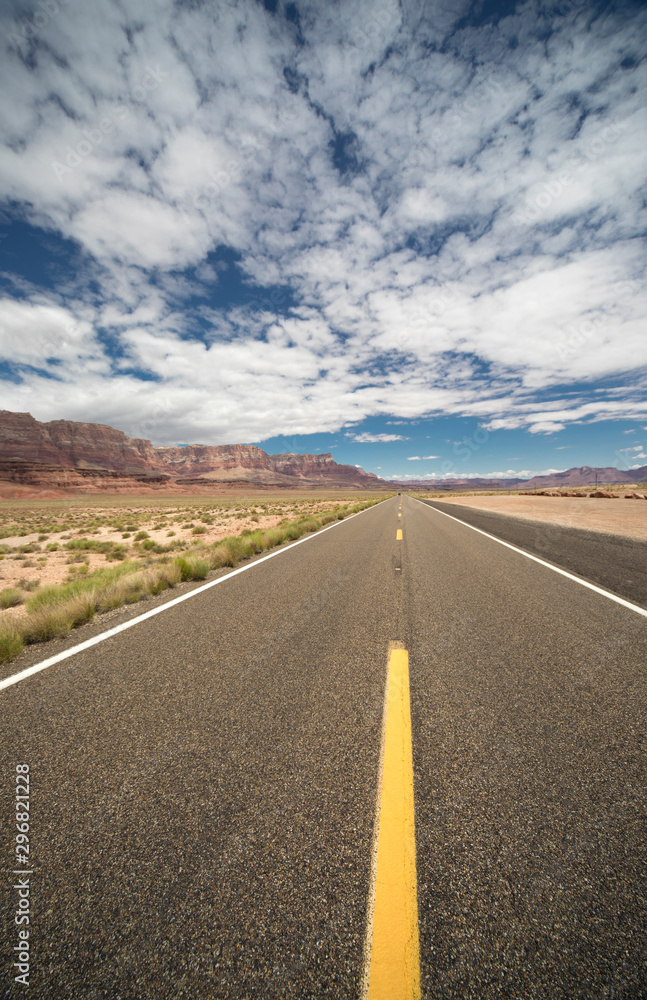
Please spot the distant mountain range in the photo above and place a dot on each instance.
(585, 475)
(67, 455)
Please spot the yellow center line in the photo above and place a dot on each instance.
(399, 515)
(398, 537)
(392, 962)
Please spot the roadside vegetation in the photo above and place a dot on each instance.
(53, 610)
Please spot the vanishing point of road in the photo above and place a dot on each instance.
(205, 784)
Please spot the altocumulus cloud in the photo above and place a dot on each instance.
(367, 438)
(284, 222)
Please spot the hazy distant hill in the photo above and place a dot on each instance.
(585, 475)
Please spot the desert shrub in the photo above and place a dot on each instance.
(309, 524)
(193, 567)
(11, 643)
(274, 536)
(99, 580)
(199, 530)
(10, 596)
(141, 535)
(79, 570)
(47, 623)
(254, 542)
(292, 532)
(117, 552)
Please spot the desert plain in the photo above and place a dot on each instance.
(618, 516)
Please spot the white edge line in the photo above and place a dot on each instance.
(37, 667)
(542, 562)
(375, 843)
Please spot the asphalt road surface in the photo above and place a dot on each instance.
(612, 561)
(203, 785)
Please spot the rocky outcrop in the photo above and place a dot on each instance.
(72, 444)
(42, 452)
(198, 459)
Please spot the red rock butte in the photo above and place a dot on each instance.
(64, 455)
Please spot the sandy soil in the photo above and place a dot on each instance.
(614, 517)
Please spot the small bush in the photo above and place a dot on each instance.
(11, 643)
(47, 623)
(200, 530)
(193, 567)
(117, 552)
(81, 570)
(52, 547)
(28, 584)
(43, 538)
(274, 536)
(10, 596)
(255, 542)
(141, 535)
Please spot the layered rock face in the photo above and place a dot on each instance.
(68, 444)
(72, 445)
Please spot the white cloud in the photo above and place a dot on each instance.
(484, 250)
(366, 438)
(507, 474)
(421, 458)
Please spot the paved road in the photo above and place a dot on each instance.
(611, 561)
(204, 784)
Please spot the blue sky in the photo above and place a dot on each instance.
(410, 233)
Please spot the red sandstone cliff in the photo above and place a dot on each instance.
(71, 444)
(31, 452)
